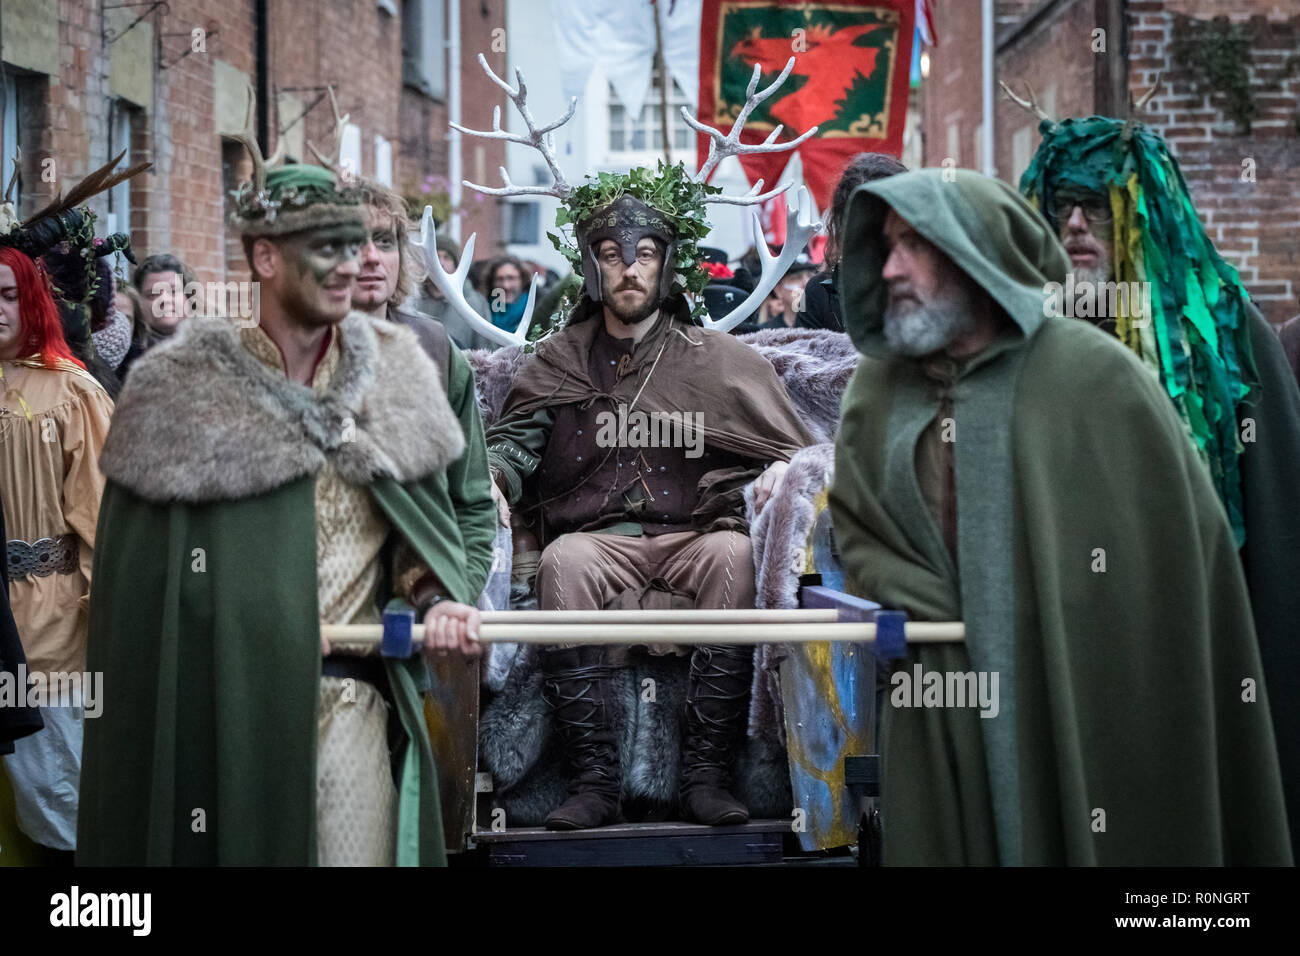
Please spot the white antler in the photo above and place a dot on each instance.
(541, 139)
(799, 228)
(720, 147)
(333, 160)
(452, 285)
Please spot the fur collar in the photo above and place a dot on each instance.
(202, 420)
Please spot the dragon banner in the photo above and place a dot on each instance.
(850, 79)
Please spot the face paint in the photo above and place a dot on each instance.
(322, 267)
(320, 252)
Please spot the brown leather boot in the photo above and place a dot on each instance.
(717, 705)
(578, 686)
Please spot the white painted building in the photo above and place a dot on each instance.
(601, 137)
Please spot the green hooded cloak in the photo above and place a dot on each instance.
(1096, 574)
(1235, 384)
(204, 617)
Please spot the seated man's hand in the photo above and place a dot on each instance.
(503, 506)
(767, 484)
(450, 628)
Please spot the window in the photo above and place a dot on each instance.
(350, 148)
(383, 161)
(424, 63)
(9, 138)
(645, 134)
(523, 223)
(119, 138)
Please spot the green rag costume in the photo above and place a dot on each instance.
(1197, 338)
(1221, 363)
(205, 622)
(1123, 733)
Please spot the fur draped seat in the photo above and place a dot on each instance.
(517, 745)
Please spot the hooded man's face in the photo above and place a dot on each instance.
(1086, 228)
(630, 293)
(931, 301)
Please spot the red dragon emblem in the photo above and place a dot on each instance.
(831, 62)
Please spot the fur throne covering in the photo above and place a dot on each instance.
(517, 744)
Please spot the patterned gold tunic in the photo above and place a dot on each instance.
(356, 800)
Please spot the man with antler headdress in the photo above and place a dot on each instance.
(263, 480)
(629, 521)
(53, 419)
(1114, 193)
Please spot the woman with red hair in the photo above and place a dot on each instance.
(54, 417)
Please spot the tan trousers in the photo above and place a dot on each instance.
(583, 572)
(356, 800)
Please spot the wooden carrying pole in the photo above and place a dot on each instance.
(673, 627)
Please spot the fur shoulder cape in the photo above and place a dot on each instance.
(203, 420)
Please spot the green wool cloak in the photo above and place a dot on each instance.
(204, 617)
(1096, 574)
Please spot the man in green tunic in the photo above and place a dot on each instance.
(1014, 472)
(261, 481)
(383, 285)
(1115, 195)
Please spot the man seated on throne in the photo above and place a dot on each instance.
(627, 441)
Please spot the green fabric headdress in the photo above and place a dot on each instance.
(295, 198)
(1197, 339)
(280, 200)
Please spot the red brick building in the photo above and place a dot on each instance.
(1238, 145)
(83, 79)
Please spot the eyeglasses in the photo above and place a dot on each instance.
(1095, 208)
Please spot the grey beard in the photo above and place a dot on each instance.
(915, 331)
(1097, 275)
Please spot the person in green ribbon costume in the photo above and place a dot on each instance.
(1115, 194)
(263, 480)
(1019, 473)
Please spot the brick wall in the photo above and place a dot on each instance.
(482, 157)
(180, 206)
(1053, 56)
(1047, 44)
(1254, 224)
(950, 104)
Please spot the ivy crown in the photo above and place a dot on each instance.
(668, 189)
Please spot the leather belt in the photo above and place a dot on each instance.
(43, 558)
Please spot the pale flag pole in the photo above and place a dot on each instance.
(925, 22)
(987, 31)
(455, 172)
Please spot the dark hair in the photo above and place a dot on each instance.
(160, 262)
(862, 168)
(139, 327)
(490, 276)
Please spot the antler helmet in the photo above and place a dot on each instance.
(627, 220)
(623, 208)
